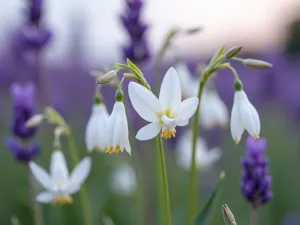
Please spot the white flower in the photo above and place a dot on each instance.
(59, 184)
(243, 116)
(164, 113)
(123, 180)
(213, 110)
(95, 135)
(117, 130)
(204, 157)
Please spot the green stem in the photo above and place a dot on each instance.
(193, 170)
(253, 215)
(165, 180)
(83, 193)
(37, 210)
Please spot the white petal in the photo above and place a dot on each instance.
(170, 91)
(45, 197)
(186, 80)
(252, 125)
(187, 108)
(211, 156)
(149, 131)
(168, 121)
(124, 142)
(221, 112)
(40, 175)
(182, 123)
(144, 102)
(81, 172)
(124, 180)
(58, 167)
(96, 128)
(236, 125)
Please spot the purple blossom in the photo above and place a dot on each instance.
(137, 49)
(255, 181)
(23, 109)
(21, 151)
(35, 11)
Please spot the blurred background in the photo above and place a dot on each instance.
(55, 45)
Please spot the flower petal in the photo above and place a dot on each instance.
(170, 91)
(144, 102)
(187, 108)
(149, 131)
(253, 127)
(236, 126)
(80, 172)
(40, 175)
(182, 123)
(45, 197)
(58, 167)
(186, 80)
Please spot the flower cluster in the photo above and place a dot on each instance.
(33, 34)
(137, 50)
(23, 110)
(256, 183)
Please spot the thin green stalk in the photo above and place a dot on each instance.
(253, 215)
(37, 210)
(192, 209)
(83, 193)
(165, 180)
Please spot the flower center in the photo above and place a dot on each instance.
(111, 149)
(166, 134)
(63, 199)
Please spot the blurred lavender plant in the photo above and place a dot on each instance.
(23, 110)
(256, 183)
(33, 35)
(137, 49)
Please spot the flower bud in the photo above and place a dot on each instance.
(256, 64)
(35, 120)
(228, 216)
(233, 52)
(119, 95)
(107, 77)
(238, 85)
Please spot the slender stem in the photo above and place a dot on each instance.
(253, 215)
(83, 193)
(37, 210)
(193, 170)
(165, 180)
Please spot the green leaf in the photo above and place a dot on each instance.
(134, 67)
(205, 214)
(217, 55)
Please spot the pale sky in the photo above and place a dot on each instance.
(253, 23)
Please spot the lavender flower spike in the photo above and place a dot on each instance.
(23, 109)
(137, 49)
(256, 183)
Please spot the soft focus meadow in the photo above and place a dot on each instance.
(261, 172)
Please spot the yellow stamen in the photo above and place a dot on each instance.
(112, 150)
(166, 134)
(256, 136)
(65, 199)
(237, 141)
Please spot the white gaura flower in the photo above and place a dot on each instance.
(117, 128)
(164, 113)
(95, 135)
(59, 184)
(243, 116)
(205, 157)
(213, 111)
(123, 180)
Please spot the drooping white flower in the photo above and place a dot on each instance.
(95, 135)
(123, 180)
(117, 128)
(59, 184)
(243, 116)
(213, 111)
(164, 113)
(205, 157)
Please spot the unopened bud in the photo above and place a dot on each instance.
(228, 216)
(238, 85)
(34, 120)
(233, 52)
(107, 77)
(256, 64)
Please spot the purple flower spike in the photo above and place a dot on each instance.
(255, 181)
(34, 37)
(23, 109)
(22, 152)
(35, 11)
(137, 49)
